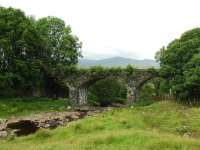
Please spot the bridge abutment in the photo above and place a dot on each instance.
(73, 95)
(78, 95)
(82, 96)
(132, 93)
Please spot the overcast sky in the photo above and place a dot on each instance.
(127, 28)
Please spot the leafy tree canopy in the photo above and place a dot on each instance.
(180, 64)
(32, 50)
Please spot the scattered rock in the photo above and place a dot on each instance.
(3, 134)
(118, 105)
(23, 127)
(187, 135)
(2, 120)
(53, 123)
(28, 125)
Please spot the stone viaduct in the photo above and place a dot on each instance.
(79, 80)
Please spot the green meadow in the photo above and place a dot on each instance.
(159, 126)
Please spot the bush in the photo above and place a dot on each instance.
(107, 91)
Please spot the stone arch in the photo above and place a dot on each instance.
(79, 83)
(78, 91)
(91, 82)
(140, 85)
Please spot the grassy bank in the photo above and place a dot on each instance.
(26, 106)
(159, 126)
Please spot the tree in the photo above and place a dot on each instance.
(179, 65)
(192, 76)
(31, 52)
(61, 47)
(19, 45)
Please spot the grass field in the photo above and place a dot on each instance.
(10, 107)
(159, 126)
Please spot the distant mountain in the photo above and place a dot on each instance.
(119, 62)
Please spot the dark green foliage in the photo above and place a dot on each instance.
(154, 90)
(180, 65)
(60, 44)
(19, 45)
(147, 92)
(128, 71)
(107, 91)
(160, 89)
(99, 71)
(33, 53)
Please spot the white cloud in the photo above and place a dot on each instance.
(128, 28)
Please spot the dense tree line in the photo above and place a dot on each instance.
(33, 52)
(180, 65)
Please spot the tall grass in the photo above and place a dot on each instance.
(25, 106)
(159, 126)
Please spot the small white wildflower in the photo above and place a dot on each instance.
(69, 107)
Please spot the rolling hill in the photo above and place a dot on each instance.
(119, 62)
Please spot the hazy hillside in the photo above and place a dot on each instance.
(119, 61)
